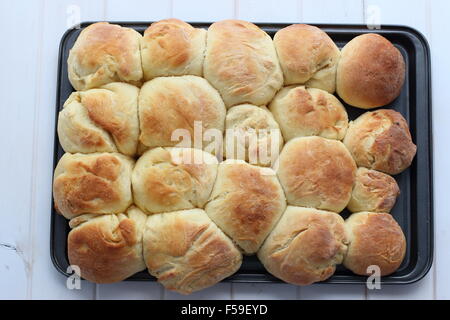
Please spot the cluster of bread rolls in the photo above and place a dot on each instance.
(138, 199)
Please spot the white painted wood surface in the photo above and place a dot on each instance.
(28, 87)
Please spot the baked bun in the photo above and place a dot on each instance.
(241, 63)
(170, 179)
(381, 140)
(371, 72)
(107, 248)
(187, 252)
(375, 239)
(252, 134)
(101, 120)
(307, 56)
(317, 173)
(92, 183)
(305, 246)
(172, 47)
(105, 53)
(167, 104)
(373, 191)
(245, 203)
(305, 112)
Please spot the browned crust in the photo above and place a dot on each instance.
(376, 239)
(371, 72)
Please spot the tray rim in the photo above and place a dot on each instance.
(265, 278)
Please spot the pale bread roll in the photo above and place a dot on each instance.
(186, 251)
(172, 47)
(97, 183)
(241, 63)
(105, 53)
(107, 248)
(305, 246)
(101, 120)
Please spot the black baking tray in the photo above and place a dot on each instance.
(414, 207)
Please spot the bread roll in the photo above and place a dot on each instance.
(371, 72)
(373, 191)
(252, 134)
(245, 203)
(107, 248)
(241, 63)
(92, 183)
(187, 252)
(101, 120)
(307, 56)
(105, 53)
(305, 246)
(381, 140)
(316, 172)
(170, 179)
(304, 112)
(181, 103)
(172, 47)
(375, 239)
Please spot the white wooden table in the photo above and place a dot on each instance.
(30, 32)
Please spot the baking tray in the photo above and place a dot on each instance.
(414, 207)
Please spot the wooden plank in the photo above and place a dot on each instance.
(18, 90)
(440, 63)
(333, 292)
(203, 10)
(268, 11)
(58, 15)
(130, 290)
(137, 10)
(218, 292)
(264, 291)
(337, 11)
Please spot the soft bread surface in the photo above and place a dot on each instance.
(241, 63)
(370, 73)
(187, 252)
(302, 111)
(172, 47)
(105, 53)
(107, 248)
(246, 202)
(373, 191)
(167, 104)
(170, 179)
(252, 134)
(97, 183)
(381, 140)
(101, 120)
(375, 239)
(316, 172)
(307, 56)
(305, 246)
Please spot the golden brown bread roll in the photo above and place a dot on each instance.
(107, 248)
(245, 203)
(302, 111)
(381, 140)
(172, 47)
(105, 53)
(375, 239)
(252, 134)
(316, 172)
(241, 63)
(305, 246)
(370, 73)
(167, 104)
(101, 120)
(170, 179)
(187, 252)
(97, 183)
(307, 56)
(373, 191)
